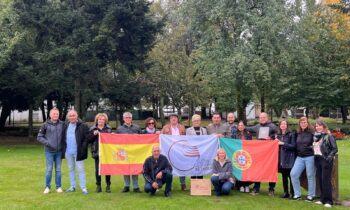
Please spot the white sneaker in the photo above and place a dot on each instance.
(59, 190)
(246, 189)
(47, 190)
(84, 191)
(241, 189)
(319, 202)
(327, 205)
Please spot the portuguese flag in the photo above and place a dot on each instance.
(124, 154)
(252, 160)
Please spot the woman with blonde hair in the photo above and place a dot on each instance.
(222, 178)
(305, 159)
(101, 126)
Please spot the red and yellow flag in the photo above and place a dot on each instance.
(124, 154)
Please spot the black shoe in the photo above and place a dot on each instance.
(167, 194)
(271, 193)
(153, 193)
(98, 188)
(137, 190)
(126, 189)
(296, 198)
(108, 189)
(285, 195)
(183, 187)
(309, 199)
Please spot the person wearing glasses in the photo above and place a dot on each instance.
(150, 126)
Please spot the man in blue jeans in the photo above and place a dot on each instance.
(76, 141)
(50, 135)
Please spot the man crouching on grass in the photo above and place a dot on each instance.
(157, 171)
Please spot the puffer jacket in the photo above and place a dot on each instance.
(93, 139)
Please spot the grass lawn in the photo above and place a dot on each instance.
(22, 169)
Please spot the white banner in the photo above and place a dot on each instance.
(190, 155)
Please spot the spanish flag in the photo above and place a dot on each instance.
(124, 154)
(252, 160)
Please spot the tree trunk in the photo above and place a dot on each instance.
(307, 110)
(77, 97)
(42, 108)
(30, 122)
(64, 110)
(262, 102)
(161, 112)
(344, 113)
(49, 105)
(5, 113)
(203, 112)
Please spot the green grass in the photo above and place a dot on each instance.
(22, 169)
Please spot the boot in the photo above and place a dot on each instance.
(98, 188)
(108, 189)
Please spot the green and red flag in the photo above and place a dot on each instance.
(252, 160)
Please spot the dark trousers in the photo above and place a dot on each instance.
(324, 172)
(98, 177)
(221, 187)
(242, 184)
(196, 177)
(256, 187)
(167, 179)
(285, 177)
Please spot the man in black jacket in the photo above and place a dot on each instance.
(157, 171)
(50, 135)
(76, 141)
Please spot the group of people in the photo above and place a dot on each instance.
(313, 149)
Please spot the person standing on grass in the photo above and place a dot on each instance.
(175, 128)
(129, 128)
(305, 159)
(76, 140)
(101, 126)
(242, 134)
(198, 130)
(325, 148)
(231, 123)
(265, 130)
(150, 126)
(217, 128)
(222, 178)
(157, 172)
(51, 136)
(287, 156)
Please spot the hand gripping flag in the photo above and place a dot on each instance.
(252, 160)
(189, 155)
(124, 154)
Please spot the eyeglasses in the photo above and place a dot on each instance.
(151, 123)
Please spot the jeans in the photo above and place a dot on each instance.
(300, 164)
(324, 172)
(97, 175)
(71, 159)
(221, 187)
(182, 180)
(51, 158)
(167, 179)
(135, 181)
(256, 187)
